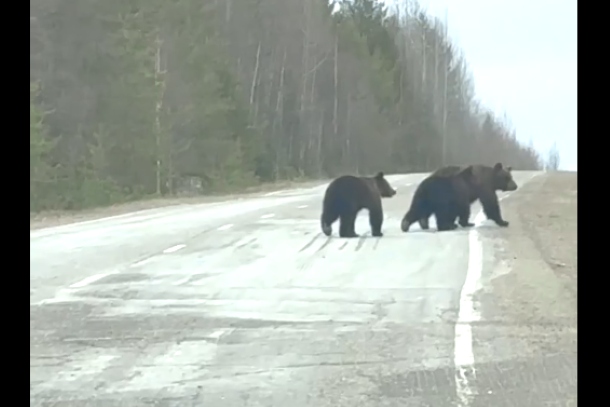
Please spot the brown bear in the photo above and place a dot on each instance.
(347, 195)
(488, 180)
(446, 197)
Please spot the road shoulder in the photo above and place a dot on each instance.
(537, 272)
(525, 345)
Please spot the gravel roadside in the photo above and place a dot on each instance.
(525, 345)
(539, 251)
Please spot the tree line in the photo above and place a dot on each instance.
(133, 98)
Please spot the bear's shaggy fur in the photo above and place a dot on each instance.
(347, 195)
(445, 197)
(488, 180)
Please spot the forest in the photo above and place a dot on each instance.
(131, 99)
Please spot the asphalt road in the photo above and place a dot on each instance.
(246, 303)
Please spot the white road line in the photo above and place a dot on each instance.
(269, 215)
(463, 356)
(174, 248)
(91, 279)
(225, 227)
(302, 206)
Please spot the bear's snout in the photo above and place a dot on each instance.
(512, 186)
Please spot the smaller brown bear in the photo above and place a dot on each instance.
(488, 180)
(347, 195)
(446, 197)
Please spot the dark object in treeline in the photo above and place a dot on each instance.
(347, 195)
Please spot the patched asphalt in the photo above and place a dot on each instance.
(245, 303)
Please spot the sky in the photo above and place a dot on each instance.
(522, 54)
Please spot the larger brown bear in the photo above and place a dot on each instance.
(446, 197)
(488, 180)
(347, 195)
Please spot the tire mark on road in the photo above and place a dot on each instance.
(361, 241)
(247, 243)
(306, 261)
(376, 243)
(310, 243)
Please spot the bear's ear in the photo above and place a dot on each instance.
(379, 175)
(498, 166)
(509, 169)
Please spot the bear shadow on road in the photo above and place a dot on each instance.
(483, 226)
(435, 230)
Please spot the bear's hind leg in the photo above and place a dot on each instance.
(347, 227)
(407, 221)
(326, 222)
(424, 224)
(445, 221)
(445, 226)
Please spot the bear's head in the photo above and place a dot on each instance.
(503, 179)
(384, 187)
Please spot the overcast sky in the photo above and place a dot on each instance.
(523, 58)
